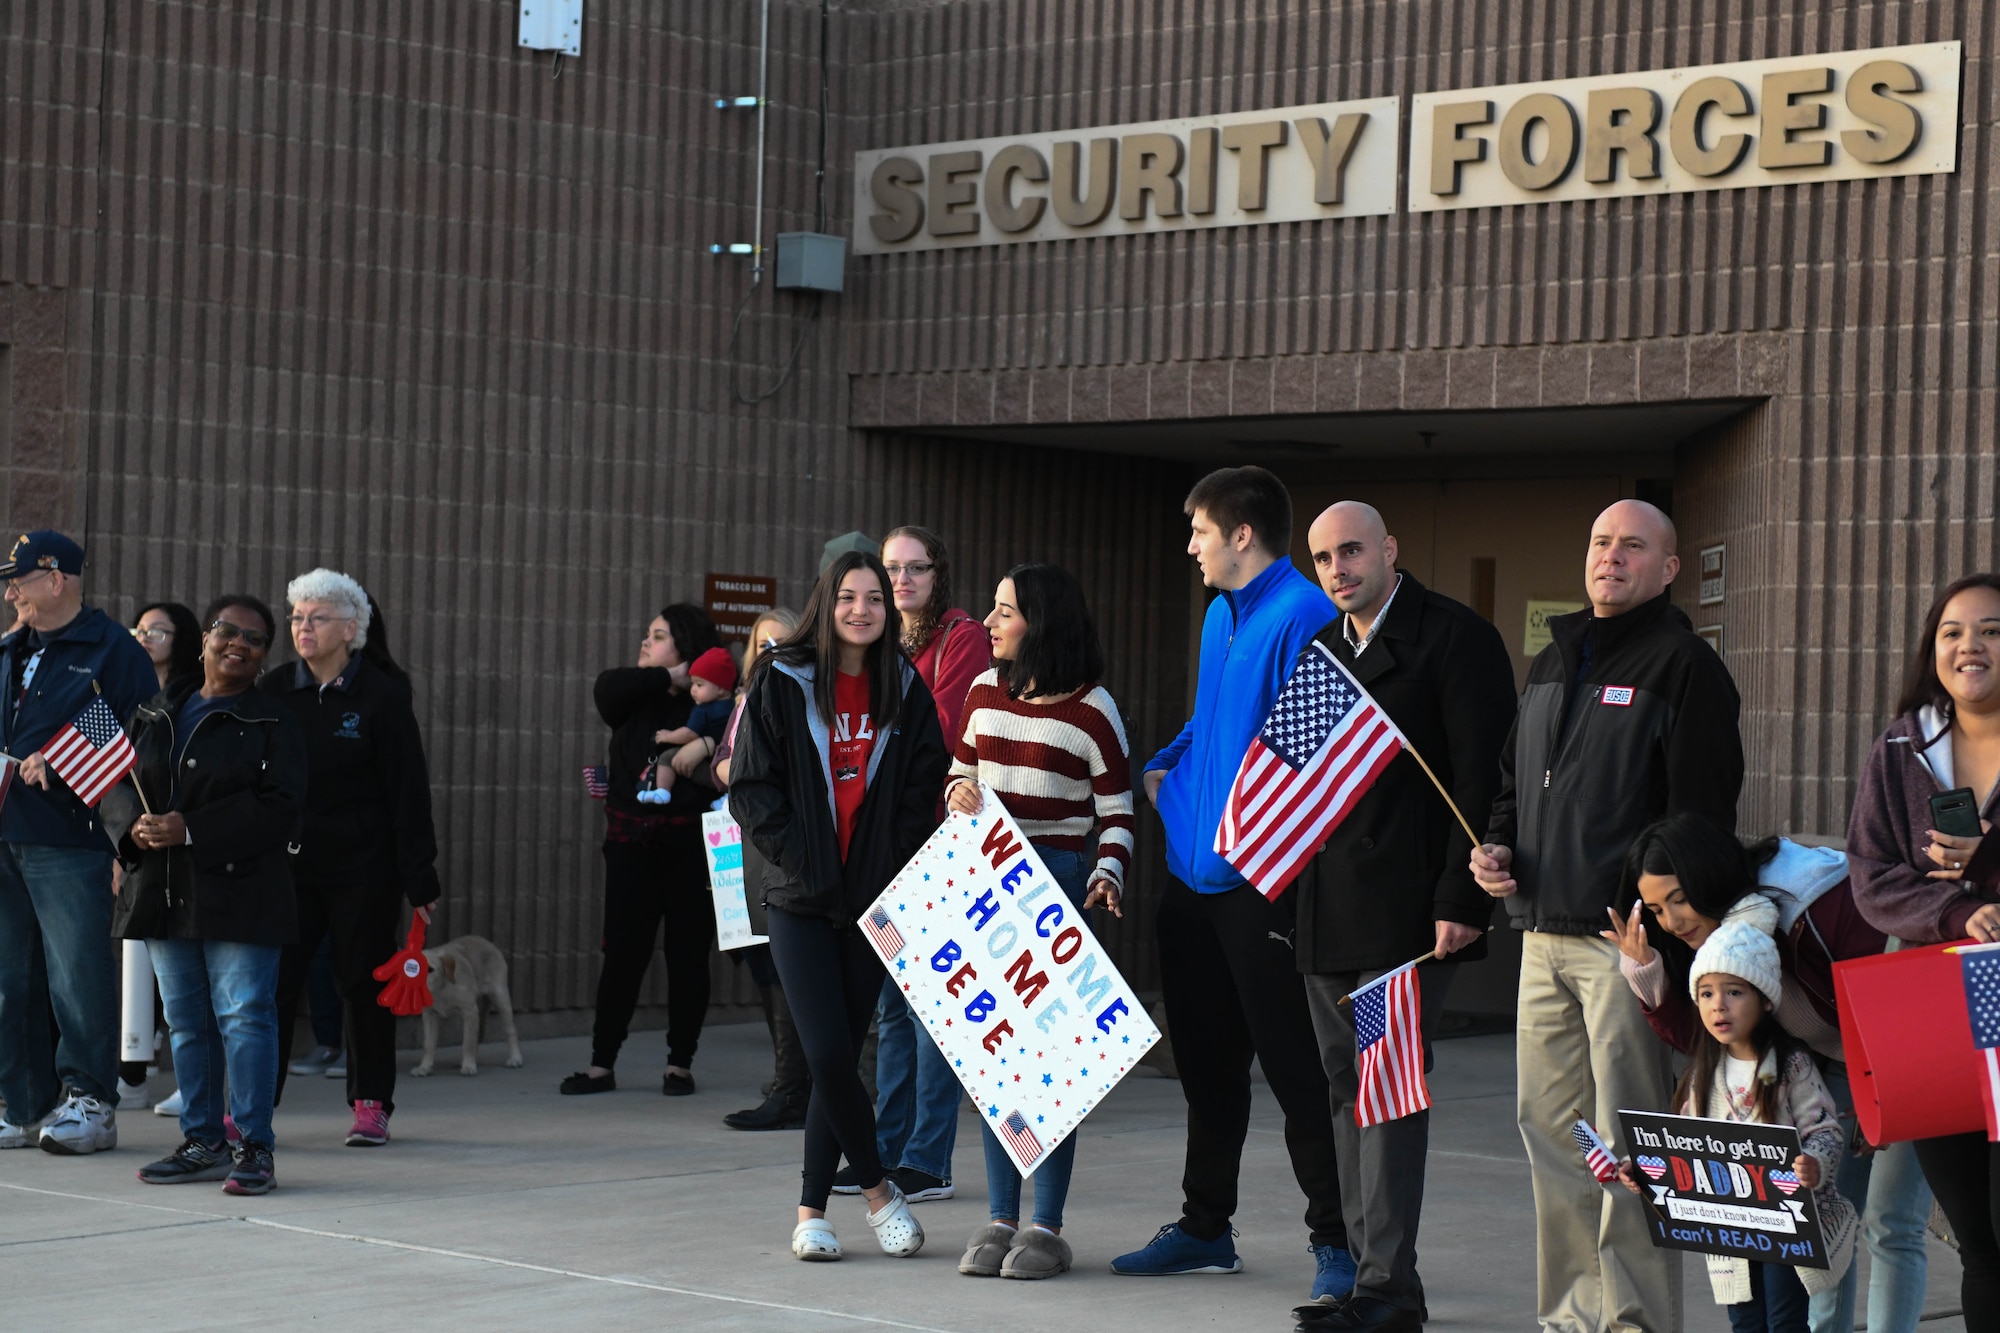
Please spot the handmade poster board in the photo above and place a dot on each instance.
(1007, 977)
(722, 845)
(1724, 1187)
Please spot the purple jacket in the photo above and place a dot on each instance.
(1885, 844)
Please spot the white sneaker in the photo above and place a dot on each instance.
(23, 1136)
(82, 1124)
(170, 1105)
(133, 1097)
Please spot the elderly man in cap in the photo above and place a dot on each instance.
(55, 857)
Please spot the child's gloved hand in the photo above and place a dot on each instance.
(1806, 1168)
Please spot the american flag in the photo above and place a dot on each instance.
(883, 931)
(1595, 1155)
(91, 753)
(1324, 745)
(1981, 967)
(1388, 1033)
(1015, 1130)
(595, 782)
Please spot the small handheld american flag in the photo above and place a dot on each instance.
(1323, 746)
(1015, 1130)
(1388, 1035)
(91, 753)
(1596, 1156)
(883, 931)
(1980, 965)
(595, 784)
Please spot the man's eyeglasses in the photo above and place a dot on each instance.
(153, 635)
(916, 569)
(317, 621)
(14, 585)
(225, 631)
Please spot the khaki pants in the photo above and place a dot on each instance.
(1582, 1044)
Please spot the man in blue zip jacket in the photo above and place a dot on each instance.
(1230, 981)
(55, 858)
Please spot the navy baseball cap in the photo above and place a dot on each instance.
(43, 549)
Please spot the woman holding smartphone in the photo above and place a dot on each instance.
(835, 779)
(1923, 882)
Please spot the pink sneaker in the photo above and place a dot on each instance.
(371, 1125)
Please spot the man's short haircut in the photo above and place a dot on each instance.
(1234, 496)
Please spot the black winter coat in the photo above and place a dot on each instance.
(780, 794)
(1400, 862)
(368, 817)
(1651, 730)
(241, 786)
(635, 702)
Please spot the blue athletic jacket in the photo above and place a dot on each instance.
(1250, 642)
(91, 649)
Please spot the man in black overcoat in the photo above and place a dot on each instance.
(1393, 881)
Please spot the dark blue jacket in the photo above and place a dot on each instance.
(1250, 642)
(92, 649)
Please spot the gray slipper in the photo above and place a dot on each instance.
(1036, 1253)
(985, 1250)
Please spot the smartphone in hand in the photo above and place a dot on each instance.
(1955, 813)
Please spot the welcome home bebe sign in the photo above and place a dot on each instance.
(1724, 1187)
(1006, 975)
(722, 844)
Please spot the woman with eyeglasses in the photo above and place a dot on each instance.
(208, 886)
(172, 637)
(368, 845)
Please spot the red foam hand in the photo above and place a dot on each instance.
(408, 976)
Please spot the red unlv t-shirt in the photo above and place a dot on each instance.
(853, 742)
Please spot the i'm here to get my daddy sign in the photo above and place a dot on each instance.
(1724, 1187)
(1004, 972)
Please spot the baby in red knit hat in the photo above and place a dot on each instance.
(712, 681)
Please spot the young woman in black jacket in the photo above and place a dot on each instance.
(208, 884)
(654, 873)
(838, 766)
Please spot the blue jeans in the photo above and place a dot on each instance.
(55, 922)
(916, 1091)
(1777, 1302)
(222, 1006)
(1003, 1181)
(1889, 1191)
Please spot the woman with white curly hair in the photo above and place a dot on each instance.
(367, 843)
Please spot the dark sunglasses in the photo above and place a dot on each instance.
(225, 631)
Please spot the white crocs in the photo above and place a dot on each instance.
(895, 1230)
(813, 1240)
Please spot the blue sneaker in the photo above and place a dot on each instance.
(1335, 1280)
(1173, 1252)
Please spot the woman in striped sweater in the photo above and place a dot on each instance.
(1045, 738)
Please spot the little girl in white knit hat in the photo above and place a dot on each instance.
(1747, 1069)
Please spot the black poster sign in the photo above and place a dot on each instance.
(1724, 1187)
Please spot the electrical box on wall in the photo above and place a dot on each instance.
(811, 261)
(552, 25)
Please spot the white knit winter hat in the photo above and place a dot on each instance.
(1739, 948)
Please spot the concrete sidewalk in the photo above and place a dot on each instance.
(501, 1205)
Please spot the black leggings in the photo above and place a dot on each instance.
(645, 886)
(364, 921)
(1964, 1173)
(832, 980)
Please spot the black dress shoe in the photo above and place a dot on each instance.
(776, 1112)
(1363, 1314)
(677, 1085)
(581, 1083)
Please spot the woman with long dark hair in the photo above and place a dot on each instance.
(1045, 737)
(171, 636)
(654, 875)
(838, 766)
(1924, 884)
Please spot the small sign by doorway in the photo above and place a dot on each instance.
(1712, 635)
(1535, 634)
(734, 602)
(1711, 575)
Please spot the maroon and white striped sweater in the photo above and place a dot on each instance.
(1060, 769)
